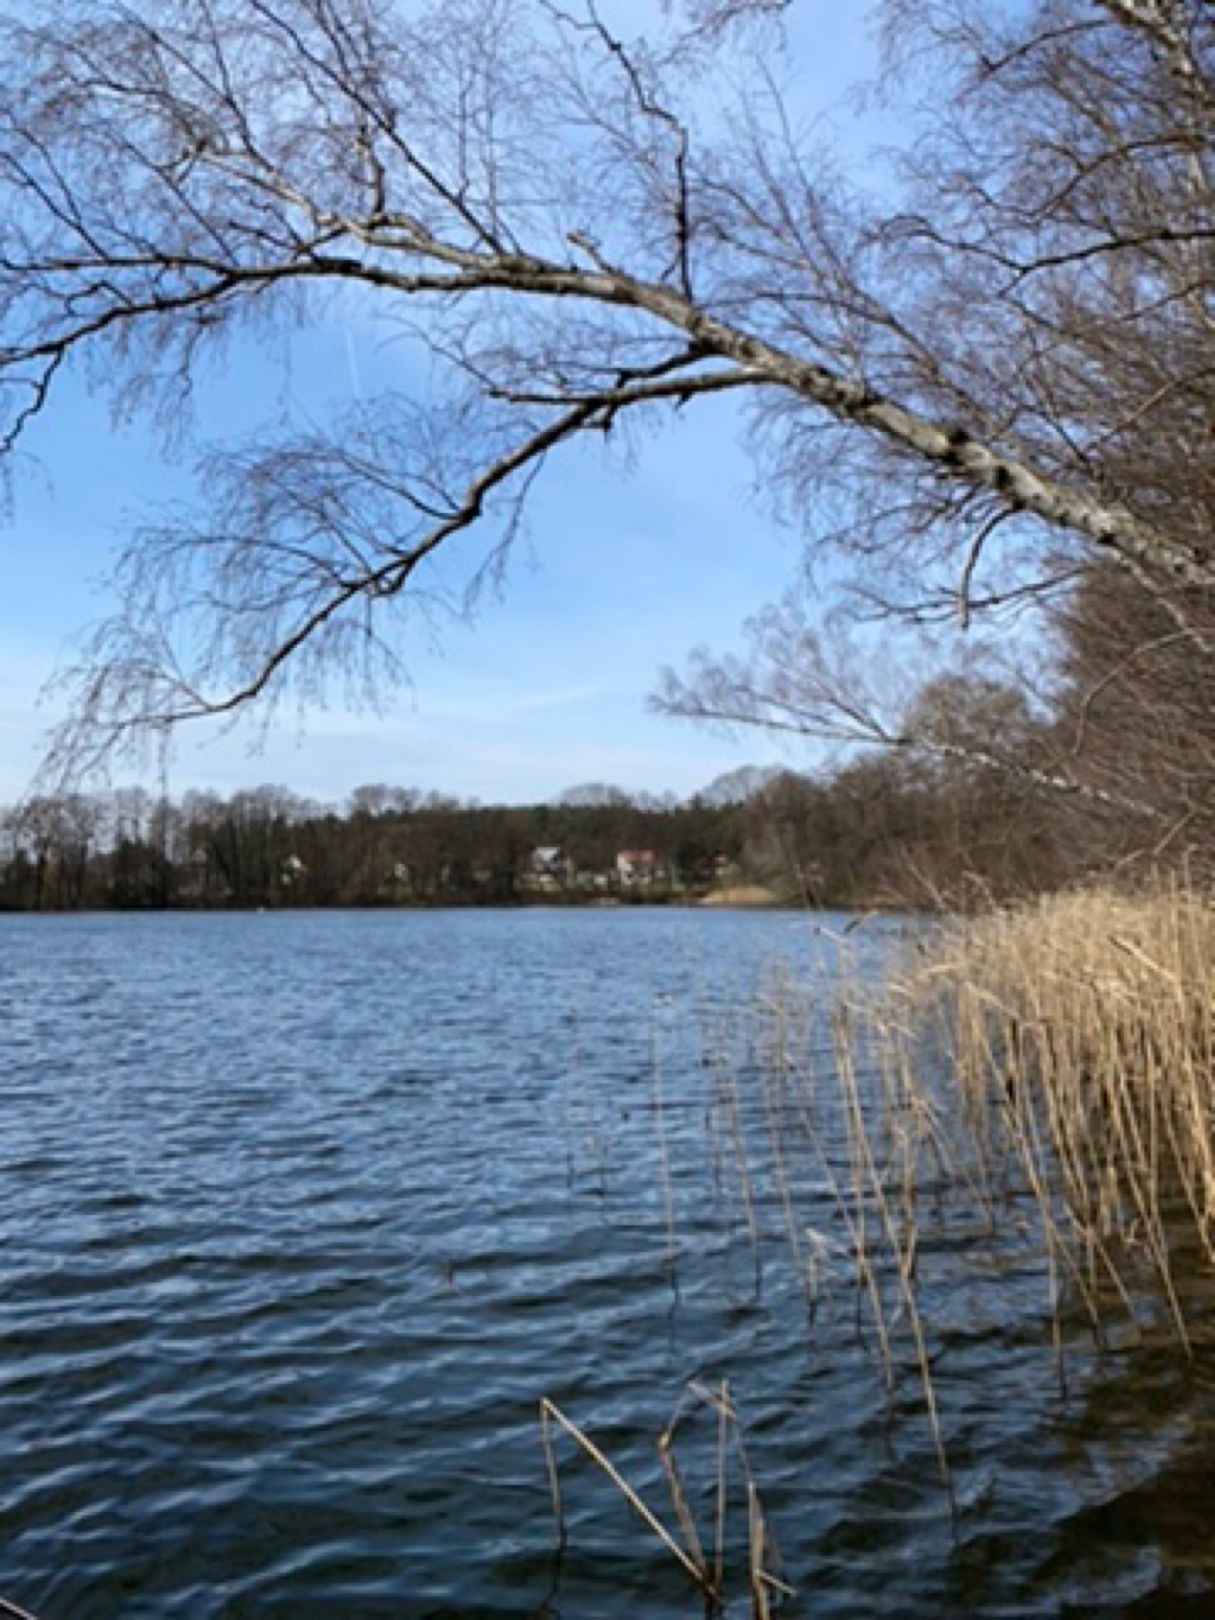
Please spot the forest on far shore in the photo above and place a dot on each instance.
(882, 831)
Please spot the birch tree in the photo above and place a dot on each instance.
(991, 378)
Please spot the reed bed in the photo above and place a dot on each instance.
(1079, 1034)
(1047, 1069)
(1036, 1085)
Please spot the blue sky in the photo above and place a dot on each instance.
(620, 572)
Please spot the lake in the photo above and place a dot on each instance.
(304, 1213)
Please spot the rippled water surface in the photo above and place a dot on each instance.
(302, 1214)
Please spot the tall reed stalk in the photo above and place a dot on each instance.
(1058, 1057)
(686, 1546)
(1080, 1038)
(1060, 1054)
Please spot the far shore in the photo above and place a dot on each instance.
(738, 896)
(751, 895)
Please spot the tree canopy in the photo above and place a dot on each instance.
(992, 380)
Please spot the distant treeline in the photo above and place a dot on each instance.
(879, 832)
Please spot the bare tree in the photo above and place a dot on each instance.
(972, 382)
(794, 679)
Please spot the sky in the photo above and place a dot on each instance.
(621, 571)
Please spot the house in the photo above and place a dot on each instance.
(548, 867)
(638, 866)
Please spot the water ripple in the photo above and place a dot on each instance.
(302, 1215)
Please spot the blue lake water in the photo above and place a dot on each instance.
(302, 1214)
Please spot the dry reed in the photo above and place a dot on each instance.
(1060, 1053)
(1058, 1056)
(13, 1609)
(688, 1548)
(1080, 1037)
